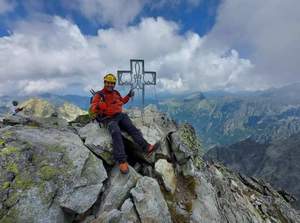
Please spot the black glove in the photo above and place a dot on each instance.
(131, 93)
(19, 109)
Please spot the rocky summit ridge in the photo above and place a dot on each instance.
(52, 170)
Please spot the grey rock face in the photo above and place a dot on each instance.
(188, 169)
(112, 216)
(185, 144)
(278, 163)
(87, 197)
(223, 196)
(149, 201)
(97, 140)
(166, 171)
(163, 151)
(47, 174)
(205, 207)
(47, 168)
(128, 212)
(119, 187)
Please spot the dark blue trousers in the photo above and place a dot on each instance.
(119, 122)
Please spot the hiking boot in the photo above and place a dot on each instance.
(123, 166)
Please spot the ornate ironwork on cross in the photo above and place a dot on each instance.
(137, 77)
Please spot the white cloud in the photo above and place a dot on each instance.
(51, 54)
(40, 86)
(7, 6)
(117, 13)
(266, 32)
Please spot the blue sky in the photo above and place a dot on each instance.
(63, 46)
(198, 18)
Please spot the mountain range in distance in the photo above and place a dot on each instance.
(219, 117)
(223, 118)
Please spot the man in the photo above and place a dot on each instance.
(107, 104)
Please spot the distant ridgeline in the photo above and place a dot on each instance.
(226, 118)
(220, 118)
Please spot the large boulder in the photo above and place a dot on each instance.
(149, 201)
(69, 111)
(45, 171)
(166, 172)
(98, 140)
(129, 214)
(185, 144)
(112, 216)
(41, 108)
(119, 186)
(38, 107)
(155, 126)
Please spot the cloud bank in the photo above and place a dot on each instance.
(265, 32)
(253, 45)
(54, 51)
(7, 6)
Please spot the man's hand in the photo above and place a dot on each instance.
(131, 93)
(19, 109)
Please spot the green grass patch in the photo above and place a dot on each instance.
(5, 185)
(9, 150)
(48, 172)
(12, 167)
(2, 142)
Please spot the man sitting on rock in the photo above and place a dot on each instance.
(107, 104)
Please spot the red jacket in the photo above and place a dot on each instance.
(112, 104)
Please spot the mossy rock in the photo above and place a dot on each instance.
(107, 157)
(82, 119)
(48, 172)
(189, 138)
(12, 167)
(5, 185)
(7, 134)
(184, 194)
(12, 199)
(10, 217)
(9, 150)
(23, 182)
(2, 142)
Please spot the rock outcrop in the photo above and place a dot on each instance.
(45, 173)
(42, 108)
(54, 171)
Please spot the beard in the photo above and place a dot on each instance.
(110, 88)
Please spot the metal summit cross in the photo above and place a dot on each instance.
(137, 77)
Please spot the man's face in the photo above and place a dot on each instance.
(109, 85)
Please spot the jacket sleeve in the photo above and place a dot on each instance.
(125, 99)
(98, 105)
